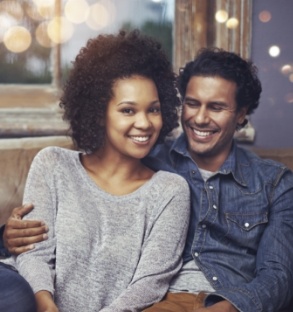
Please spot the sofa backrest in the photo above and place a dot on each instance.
(16, 156)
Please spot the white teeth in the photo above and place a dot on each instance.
(202, 133)
(140, 138)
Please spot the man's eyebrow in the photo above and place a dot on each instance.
(220, 103)
(190, 99)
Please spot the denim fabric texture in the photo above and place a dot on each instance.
(16, 294)
(3, 251)
(241, 228)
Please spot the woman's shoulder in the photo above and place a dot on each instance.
(55, 154)
(171, 180)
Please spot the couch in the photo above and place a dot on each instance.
(16, 156)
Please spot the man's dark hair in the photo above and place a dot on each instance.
(98, 65)
(215, 62)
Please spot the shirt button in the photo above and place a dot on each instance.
(246, 224)
(215, 206)
(215, 278)
(193, 172)
(211, 187)
(204, 226)
(196, 254)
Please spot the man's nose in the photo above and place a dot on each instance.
(201, 115)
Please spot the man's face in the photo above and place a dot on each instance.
(209, 119)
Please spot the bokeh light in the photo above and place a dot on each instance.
(289, 98)
(76, 11)
(13, 8)
(32, 12)
(265, 16)
(274, 51)
(6, 21)
(232, 23)
(17, 39)
(60, 30)
(99, 16)
(221, 16)
(287, 69)
(45, 8)
(42, 35)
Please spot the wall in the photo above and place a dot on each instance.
(273, 120)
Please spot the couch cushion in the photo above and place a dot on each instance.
(15, 159)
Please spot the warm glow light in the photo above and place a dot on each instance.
(274, 51)
(221, 16)
(289, 98)
(42, 35)
(265, 16)
(32, 12)
(12, 8)
(45, 8)
(286, 69)
(232, 23)
(76, 11)
(60, 30)
(99, 16)
(17, 39)
(6, 21)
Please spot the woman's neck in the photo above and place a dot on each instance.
(117, 176)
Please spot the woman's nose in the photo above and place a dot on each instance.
(142, 121)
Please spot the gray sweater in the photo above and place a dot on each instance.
(104, 252)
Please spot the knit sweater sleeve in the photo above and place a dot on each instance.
(161, 253)
(37, 265)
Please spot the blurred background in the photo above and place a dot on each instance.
(40, 38)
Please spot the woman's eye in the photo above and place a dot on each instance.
(155, 110)
(127, 111)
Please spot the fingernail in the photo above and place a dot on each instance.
(31, 247)
(45, 236)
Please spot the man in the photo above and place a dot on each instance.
(239, 249)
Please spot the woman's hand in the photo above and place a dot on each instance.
(45, 302)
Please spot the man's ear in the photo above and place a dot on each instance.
(241, 115)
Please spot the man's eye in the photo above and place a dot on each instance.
(217, 108)
(191, 104)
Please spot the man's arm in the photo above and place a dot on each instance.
(21, 235)
(222, 306)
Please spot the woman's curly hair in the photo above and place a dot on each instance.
(98, 65)
(213, 62)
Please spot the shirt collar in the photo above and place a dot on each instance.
(232, 164)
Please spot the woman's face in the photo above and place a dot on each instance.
(133, 117)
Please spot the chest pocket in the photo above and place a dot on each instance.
(246, 229)
(247, 222)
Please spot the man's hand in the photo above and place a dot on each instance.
(20, 235)
(222, 306)
(45, 302)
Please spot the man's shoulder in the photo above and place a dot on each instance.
(257, 166)
(159, 157)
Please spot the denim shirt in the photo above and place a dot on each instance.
(241, 226)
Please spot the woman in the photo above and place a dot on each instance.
(117, 229)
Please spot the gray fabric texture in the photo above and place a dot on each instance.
(104, 252)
